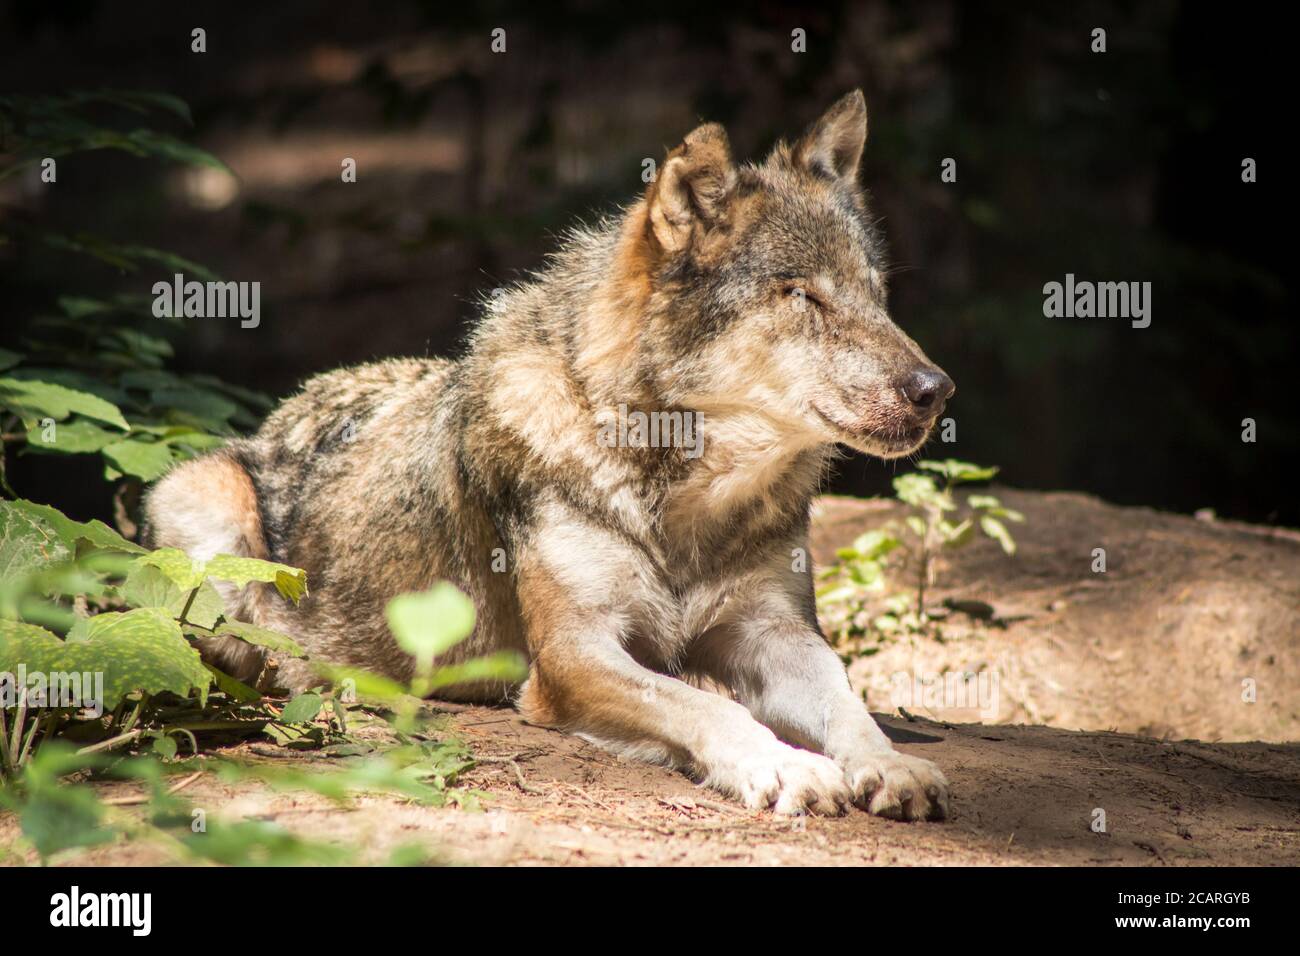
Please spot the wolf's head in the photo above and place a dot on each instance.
(766, 287)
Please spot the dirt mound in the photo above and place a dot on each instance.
(1188, 616)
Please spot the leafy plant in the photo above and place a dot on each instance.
(87, 373)
(150, 609)
(936, 521)
(55, 815)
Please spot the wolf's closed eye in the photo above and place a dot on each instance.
(801, 296)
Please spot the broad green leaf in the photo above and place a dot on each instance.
(290, 582)
(983, 501)
(164, 747)
(179, 567)
(302, 709)
(72, 379)
(36, 399)
(74, 437)
(9, 359)
(262, 637)
(876, 543)
(147, 586)
(27, 543)
(231, 687)
(72, 533)
(998, 531)
(430, 622)
(144, 459)
(140, 650)
(915, 489)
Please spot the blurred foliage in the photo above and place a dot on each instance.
(86, 362)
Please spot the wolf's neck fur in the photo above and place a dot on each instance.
(578, 338)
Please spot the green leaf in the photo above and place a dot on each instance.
(302, 709)
(73, 533)
(290, 582)
(998, 531)
(27, 543)
(177, 566)
(262, 637)
(958, 471)
(145, 459)
(164, 747)
(233, 688)
(36, 399)
(74, 437)
(140, 650)
(876, 543)
(9, 359)
(206, 408)
(955, 535)
(915, 489)
(147, 586)
(54, 815)
(430, 622)
(169, 147)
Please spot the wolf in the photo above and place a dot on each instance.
(636, 581)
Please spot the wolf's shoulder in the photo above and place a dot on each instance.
(351, 395)
(361, 380)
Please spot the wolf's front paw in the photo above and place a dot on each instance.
(898, 786)
(786, 780)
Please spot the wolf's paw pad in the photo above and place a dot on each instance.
(899, 786)
(792, 782)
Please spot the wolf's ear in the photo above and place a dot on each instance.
(693, 186)
(833, 145)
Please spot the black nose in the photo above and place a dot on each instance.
(927, 388)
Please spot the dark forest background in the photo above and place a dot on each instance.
(1122, 166)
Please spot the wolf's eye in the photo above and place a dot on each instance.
(801, 297)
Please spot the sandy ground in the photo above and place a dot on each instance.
(1156, 649)
(1021, 795)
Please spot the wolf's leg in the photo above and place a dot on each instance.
(208, 507)
(793, 681)
(583, 681)
(781, 668)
